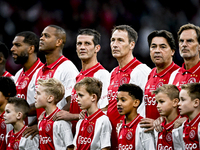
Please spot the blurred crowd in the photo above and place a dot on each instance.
(143, 15)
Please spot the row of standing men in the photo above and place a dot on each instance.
(130, 70)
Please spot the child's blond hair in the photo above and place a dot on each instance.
(53, 87)
(193, 90)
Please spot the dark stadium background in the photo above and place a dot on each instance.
(143, 15)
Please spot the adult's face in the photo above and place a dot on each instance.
(120, 46)
(20, 50)
(85, 47)
(188, 44)
(48, 40)
(160, 52)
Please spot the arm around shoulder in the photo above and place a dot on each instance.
(28, 144)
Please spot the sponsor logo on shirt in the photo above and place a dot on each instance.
(84, 140)
(163, 147)
(190, 146)
(149, 100)
(45, 140)
(125, 147)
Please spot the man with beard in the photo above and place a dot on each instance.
(24, 52)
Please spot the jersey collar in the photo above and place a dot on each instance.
(127, 66)
(51, 66)
(86, 72)
(129, 125)
(164, 72)
(191, 70)
(194, 121)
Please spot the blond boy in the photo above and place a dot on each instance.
(53, 134)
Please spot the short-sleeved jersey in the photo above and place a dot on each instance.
(93, 132)
(182, 76)
(132, 137)
(188, 135)
(134, 72)
(24, 86)
(63, 70)
(164, 139)
(15, 141)
(54, 134)
(98, 72)
(156, 80)
(4, 129)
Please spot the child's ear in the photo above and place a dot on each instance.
(196, 102)
(175, 102)
(19, 115)
(50, 98)
(94, 97)
(136, 103)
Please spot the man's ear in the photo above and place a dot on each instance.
(97, 48)
(59, 42)
(1, 59)
(19, 115)
(132, 45)
(31, 49)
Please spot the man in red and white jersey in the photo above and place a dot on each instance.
(189, 48)
(57, 66)
(87, 47)
(3, 57)
(130, 70)
(162, 48)
(24, 52)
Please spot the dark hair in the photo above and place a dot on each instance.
(20, 105)
(60, 33)
(4, 50)
(7, 87)
(92, 86)
(165, 34)
(193, 90)
(96, 35)
(132, 34)
(30, 38)
(190, 26)
(133, 90)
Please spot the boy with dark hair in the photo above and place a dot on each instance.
(94, 131)
(7, 89)
(188, 135)
(53, 134)
(16, 111)
(167, 98)
(130, 134)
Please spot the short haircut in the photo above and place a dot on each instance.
(20, 105)
(165, 34)
(60, 33)
(193, 90)
(190, 26)
(53, 87)
(4, 50)
(96, 35)
(132, 34)
(169, 89)
(92, 86)
(30, 38)
(133, 90)
(7, 87)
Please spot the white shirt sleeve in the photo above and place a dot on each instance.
(77, 131)
(139, 77)
(172, 76)
(104, 76)
(28, 144)
(147, 139)
(62, 134)
(177, 136)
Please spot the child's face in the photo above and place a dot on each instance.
(84, 99)
(124, 103)
(40, 97)
(185, 105)
(164, 104)
(2, 99)
(10, 115)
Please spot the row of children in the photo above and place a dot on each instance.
(94, 131)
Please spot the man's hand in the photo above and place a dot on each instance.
(32, 130)
(178, 122)
(157, 123)
(147, 123)
(82, 114)
(65, 115)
